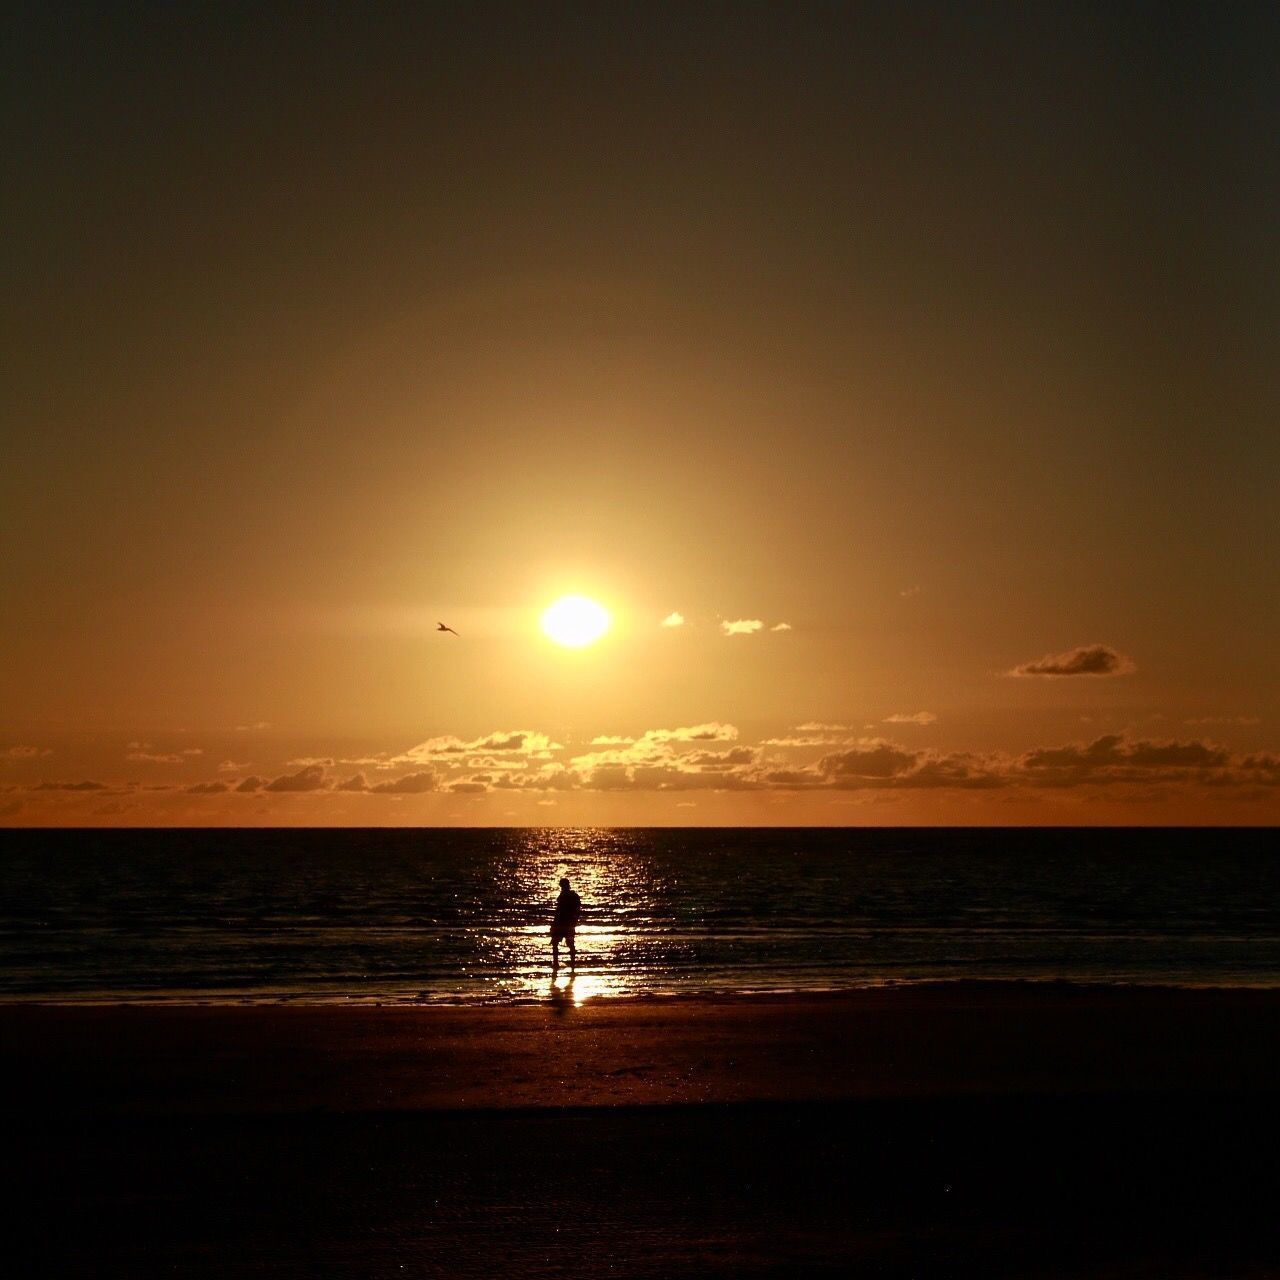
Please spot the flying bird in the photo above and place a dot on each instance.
(441, 627)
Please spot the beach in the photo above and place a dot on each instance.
(954, 1129)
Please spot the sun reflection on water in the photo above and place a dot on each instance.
(621, 934)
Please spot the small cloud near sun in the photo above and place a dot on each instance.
(1084, 660)
(741, 626)
(920, 717)
(673, 619)
(781, 626)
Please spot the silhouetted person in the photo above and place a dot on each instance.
(565, 923)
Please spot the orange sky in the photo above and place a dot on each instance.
(946, 339)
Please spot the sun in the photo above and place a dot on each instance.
(574, 621)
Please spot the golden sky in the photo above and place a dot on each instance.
(946, 339)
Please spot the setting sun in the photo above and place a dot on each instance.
(575, 621)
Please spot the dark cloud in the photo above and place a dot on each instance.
(954, 769)
(412, 784)
(875, 759)
(309, 779)
(1085, 660)
(1114, 751)
(71, 786)
(713, 731)
(554, 778)
(875, 763)
(251, 783)
(354, 783)
(719, 759)
(792, 779)
(670, 776)
(521, 742)
(208, 788)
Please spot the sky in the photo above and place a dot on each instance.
(940, 341)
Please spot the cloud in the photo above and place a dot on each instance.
(256, 727)
(411, 784)
(231, 766)
(1114, 758)
(193, 751)
(781, 626)
(673, 619)
(659, 761)
(666, 775)
(742, 626)
(1084, 660)
(309, 779)
(524, 742)
(907, 592)
(148, 757)
(877, 764)
(872, 758)
(791, 740)
(306, 762)
(713, 731)
(719, 759)
(22, 752)
(708, 757)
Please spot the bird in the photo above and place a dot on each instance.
(441, 627)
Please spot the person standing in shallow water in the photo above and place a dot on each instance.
(565, 923)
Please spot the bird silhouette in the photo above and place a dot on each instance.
(441, 627)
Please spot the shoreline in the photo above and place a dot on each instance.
(971, 1039)
(225, 999)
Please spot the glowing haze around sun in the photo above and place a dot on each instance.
(575, 621)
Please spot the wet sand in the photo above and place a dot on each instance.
(962, 1130)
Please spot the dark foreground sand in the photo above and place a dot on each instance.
(986, 1131)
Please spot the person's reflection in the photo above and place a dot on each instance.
(561, 996)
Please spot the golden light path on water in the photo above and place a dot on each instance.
(622, 939)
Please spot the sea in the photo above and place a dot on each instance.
(462, 916)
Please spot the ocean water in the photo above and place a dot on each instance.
(463, 916)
